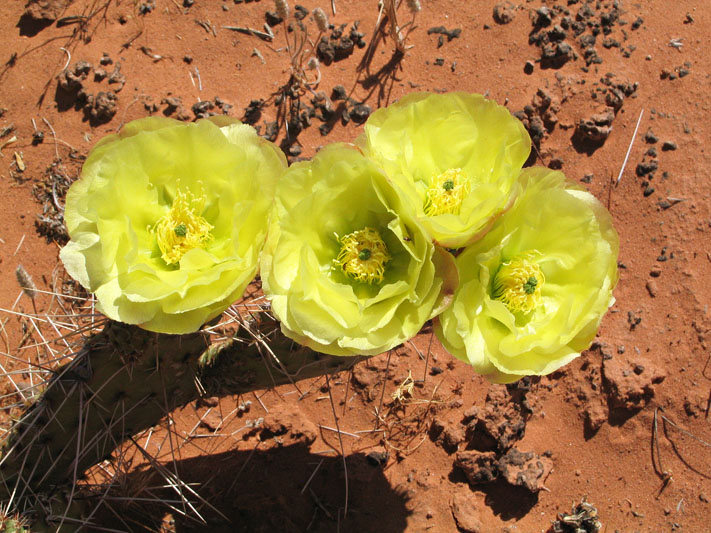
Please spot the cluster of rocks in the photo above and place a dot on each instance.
(648, 167)
(98, 108)
(678, 72)
(174, 108)
(339, 44)
(273, 18)
(556, 30)
(329, 110)
(594, 130)
(209, 108)
(484, 440)
(540, 117)
(443, 32)
(336, 45)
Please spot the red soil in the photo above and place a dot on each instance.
(593, 420)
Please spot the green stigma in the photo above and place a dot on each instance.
(363, 256)
(518, 283)
(530, 286)
(182, 228)
(446, 193)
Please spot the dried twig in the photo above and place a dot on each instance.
(382, 395)
(340, 441)
(251, 31)
(665, 475)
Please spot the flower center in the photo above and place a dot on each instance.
(363, 256)
(518, 283)
(446, 193)
(182, 228)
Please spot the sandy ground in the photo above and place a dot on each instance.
(590, 425)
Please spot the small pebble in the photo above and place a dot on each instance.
(650, 138)
(555, 164)
(339, 93)
(359, 113)
(376, 458)
(668, 146)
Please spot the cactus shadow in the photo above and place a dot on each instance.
(263, 491)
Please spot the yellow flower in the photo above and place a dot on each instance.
(347, 268)
(456, 156)
(534, 290)
(168, 220)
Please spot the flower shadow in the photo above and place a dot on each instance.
(288, 489)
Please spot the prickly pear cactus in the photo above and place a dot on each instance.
(124, 380)
(13, 525)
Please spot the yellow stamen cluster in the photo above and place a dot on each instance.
(447, 192)
(363, 256)
(182, 228)
(518, 284)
